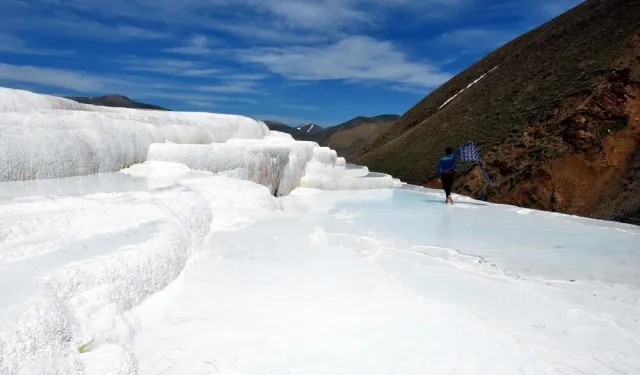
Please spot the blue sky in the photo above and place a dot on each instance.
(321, 61)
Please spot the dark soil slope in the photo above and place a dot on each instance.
(115, 101)
(556, 117)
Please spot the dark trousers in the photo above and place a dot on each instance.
(447, 182)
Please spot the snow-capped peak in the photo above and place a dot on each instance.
(309, 127)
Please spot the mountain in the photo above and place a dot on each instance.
(345, 138)
(555, 112)
(280, 127)
(114, 101)
(310, 128)
(348, 137)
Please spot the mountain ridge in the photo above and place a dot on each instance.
(345, 137)
(310, 128)
(357, 131)
(115, 100)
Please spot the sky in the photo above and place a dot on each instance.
(295, 61)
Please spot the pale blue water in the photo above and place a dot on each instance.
(525, 242)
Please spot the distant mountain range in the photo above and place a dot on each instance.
(305, 131)
(310, 128)
(345, 138)
(115, 101)
(281, 127)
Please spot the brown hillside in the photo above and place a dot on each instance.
(348, 141)
(348, 137)
(557, 120)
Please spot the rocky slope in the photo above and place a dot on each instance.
(556, 115)
(115, 101)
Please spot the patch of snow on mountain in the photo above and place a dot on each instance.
(307, 127)
(469, 85)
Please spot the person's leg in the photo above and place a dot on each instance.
(444, 187)
(447, 182)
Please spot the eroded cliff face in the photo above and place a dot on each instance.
(586, 164)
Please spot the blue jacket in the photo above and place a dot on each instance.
(448, 162)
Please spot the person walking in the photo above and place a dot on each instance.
(447, 171)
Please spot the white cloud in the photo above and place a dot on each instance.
(278, 21)
(178, 68)
(212, 79)
(319, 15)
(187, 95)
(201, 103)
(211, 72)
(71, 25)
(299, 107)
(311, 21)
(239, 87)
(156, 65)
(271, 33)
(556, 7)
(186, 68)
(9, 42)
(51, 77)
(357, 58)
(196, 45)
(329, 16)
(136, 32)
(24, 76)
(12, 44)
(245, 76)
